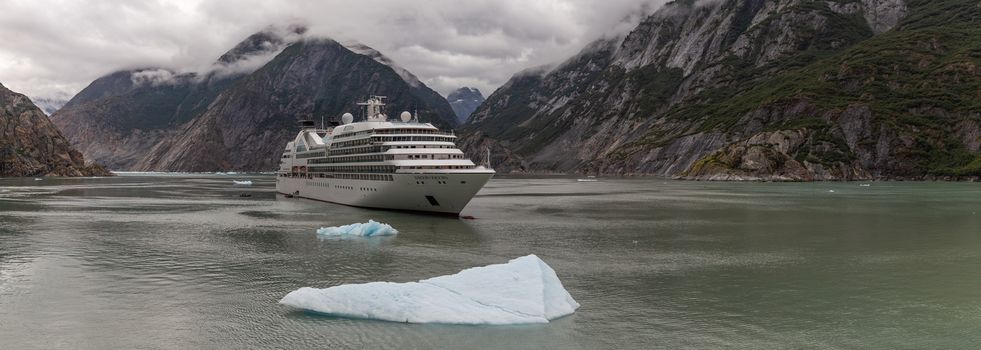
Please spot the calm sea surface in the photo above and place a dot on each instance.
(176, 262)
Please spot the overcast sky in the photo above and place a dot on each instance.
(54, 49)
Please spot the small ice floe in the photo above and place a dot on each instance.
(831, 191)
(524, 290)
(242, 183)
(866, 185)
(368, 229)
(588, 179)
(38, 179)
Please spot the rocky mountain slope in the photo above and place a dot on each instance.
(755, 89)
(464, 101)
(239, 115)
(30, 145)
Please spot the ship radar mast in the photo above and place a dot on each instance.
(373, 109)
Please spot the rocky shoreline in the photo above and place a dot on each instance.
(31, 146)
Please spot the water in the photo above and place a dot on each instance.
(184, 262)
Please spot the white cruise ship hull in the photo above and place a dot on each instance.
(445, 193)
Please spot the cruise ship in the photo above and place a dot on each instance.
(380, 163)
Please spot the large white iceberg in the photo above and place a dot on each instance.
(368, 229)
(525, 290)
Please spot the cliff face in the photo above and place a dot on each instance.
(758, 89)
(119, 117)
(30, 145)
(464, 101)
(241, 114)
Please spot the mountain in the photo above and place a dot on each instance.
(755, 90)
(464, 101)
(238, 115)
(30, 145)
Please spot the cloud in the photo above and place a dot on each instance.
(53, 48)
(245, 65)
(256, 50)
(153, 77)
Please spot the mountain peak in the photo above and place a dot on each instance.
(464, 92)
(464, 101)
(269, 40)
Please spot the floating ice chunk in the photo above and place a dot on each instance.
(242, 183)
(368, 229)
(525, 290)
(38, 179)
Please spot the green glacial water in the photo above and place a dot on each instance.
(179, 262)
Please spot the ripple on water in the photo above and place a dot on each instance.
(182, 262)
(261, 214)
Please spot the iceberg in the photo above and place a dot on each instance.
(524, 290)
(242, 183)
(368, 229)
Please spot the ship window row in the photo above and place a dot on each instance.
(359, 133)
(369, 177)
(354, 159)
(365, 141)
(444, 138)
(394, 131)
(358, 150)
(422, 146)
(380, 157)
(437, 167)
(311, 155)
(411, 131)
(285, 156)
(379, 149)
(353, 169)
(358, 142)
(426, 156)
